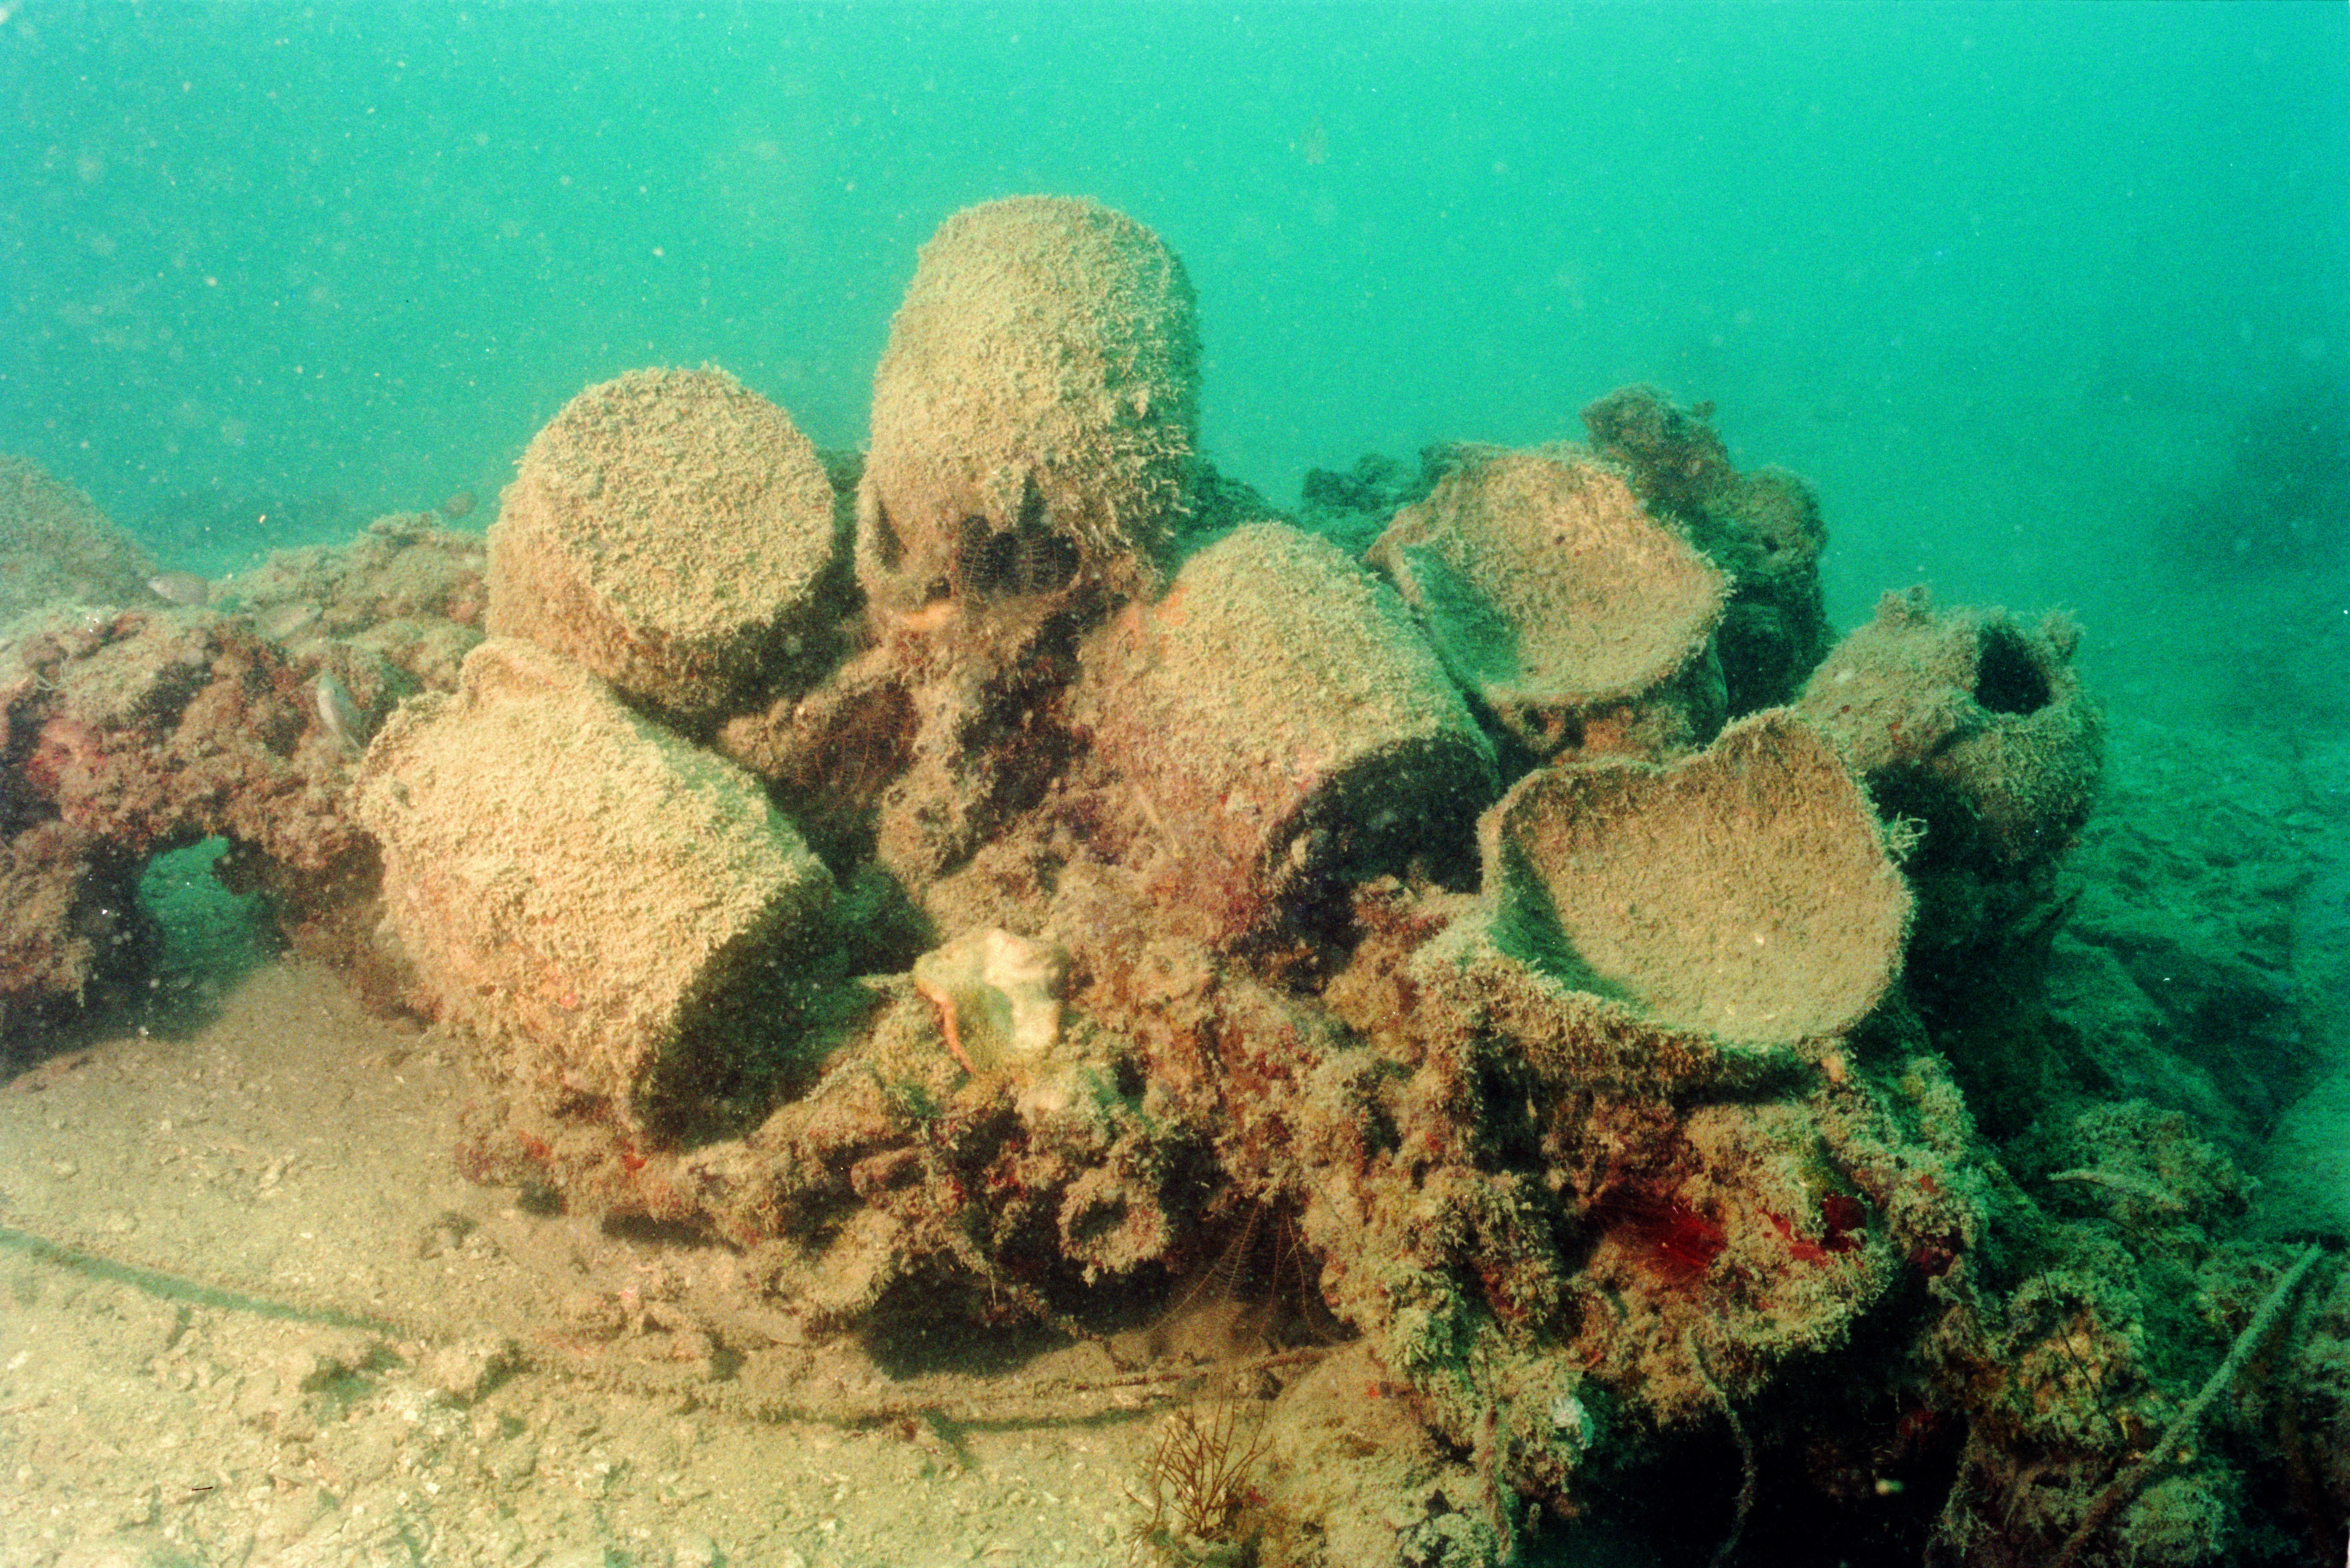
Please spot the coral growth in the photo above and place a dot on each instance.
(1580, 622)
(674, 532)
(1627, 1018)
(1035, 415)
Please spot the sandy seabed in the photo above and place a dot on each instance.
(249, 1314)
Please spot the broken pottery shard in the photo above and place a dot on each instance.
(1035, 415)
(1743, 894)
(1970, 722)
(672, 531)
(614, 912)
(1274, 726)
(1764, 529)
(1550, 593)
(998, 996)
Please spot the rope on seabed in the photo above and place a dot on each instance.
(2172, 1443)
(1747, 1485)
(168, 1285)
(965, 1399)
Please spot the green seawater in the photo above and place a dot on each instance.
(2050, 302)
(2018, 286)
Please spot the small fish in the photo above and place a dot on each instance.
(340, 715)
(457, 506)
(181, 588)
(279, 622)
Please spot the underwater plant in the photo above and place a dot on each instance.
(1196, 1486)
